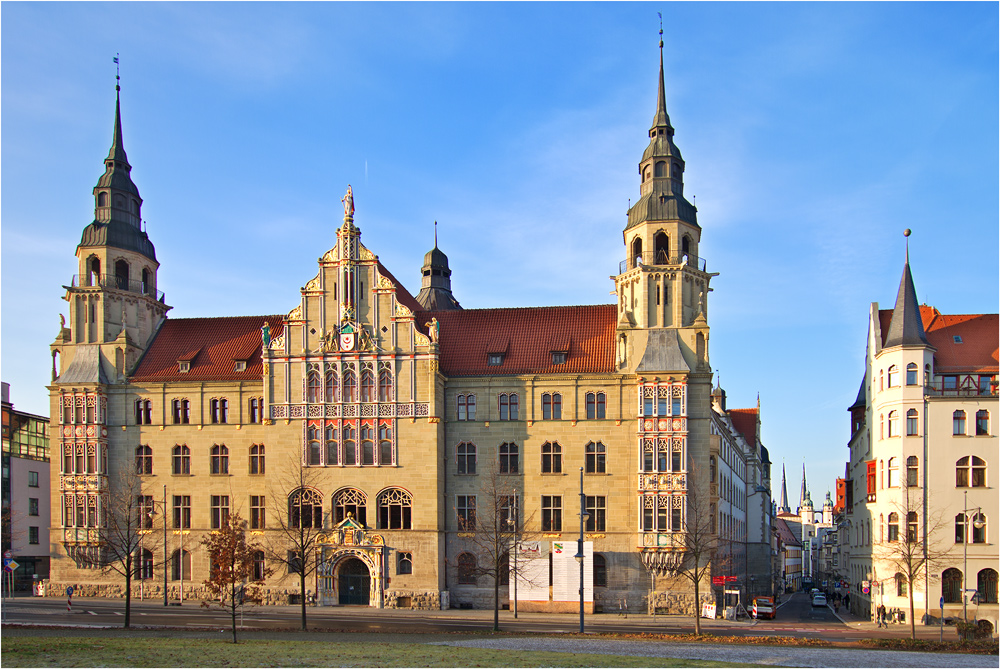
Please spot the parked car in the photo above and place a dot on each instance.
(763, 608)
(819, 599)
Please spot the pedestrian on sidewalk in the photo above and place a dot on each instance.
(880, 616)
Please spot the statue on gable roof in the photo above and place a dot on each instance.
(265, 335)
(348, 201)
(434, 331)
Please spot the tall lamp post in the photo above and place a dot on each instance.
(978, 524)
(579, 544)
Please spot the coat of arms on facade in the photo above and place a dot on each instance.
(348, 338)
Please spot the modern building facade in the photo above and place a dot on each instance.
(26, 492)
(386, 421)
(923, 440)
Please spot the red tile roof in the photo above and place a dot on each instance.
(402, 295)
(213, 345)
(980, 335)
(745, 420)
(528, 336)
(785, 533)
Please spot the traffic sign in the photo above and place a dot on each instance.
(7, 555)
(69, 591)
(10, 565)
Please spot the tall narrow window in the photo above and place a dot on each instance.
(893, 470)
(465, 456)
(978, 528)
(367, 445)
(912, 423)
(465, 510)
(220, 459)
(466, 569)
(143, 460)
(551, 513)
(313, 446)
(349, 392)
(595, 458)
(596, 507)
(893, 423)
(958, 422)
(220, 511)
(258, 520)
(181, 460)
(143, 412)
(893, 376)
(313, 387)
(367, 386)
(893, 527)
(911, 527)
(551, 458)
(912, 372)
(182, 512)
(600, 571)
(384, 386)
(912, 471)
(257, 459)
(982, 422)
(331, 445)
(508, 458)
(330, 394)
(181, 411)
(350, 446)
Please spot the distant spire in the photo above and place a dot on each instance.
(783, 508)
(803, 494)
(435, 234)
(906, 327)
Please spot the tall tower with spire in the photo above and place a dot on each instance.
(783, 507)
(804, 492)
(435, 283)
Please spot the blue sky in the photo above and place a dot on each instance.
(813, 133)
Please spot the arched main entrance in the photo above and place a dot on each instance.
(354, 583)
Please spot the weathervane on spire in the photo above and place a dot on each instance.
(907, 233)
(661, 29)
(435, 234)
(118, 77)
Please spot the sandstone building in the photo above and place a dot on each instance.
(380, 418)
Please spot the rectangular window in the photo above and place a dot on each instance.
(551, 513)
(596, 458)
(220, 511)
(257, 519)
(465, 508)
(182, 512)
(32, 506)
(181, 410)
(984, 385)
(675, 519)
(950, 382)
(551, 458)
(32, 479)
(596, 507)
(675, 407)
(466, 458)
(462, 408)
(508, 406)
(982, 422)
(33, 535)
(509, 518)
(661, 406)
(466, 407)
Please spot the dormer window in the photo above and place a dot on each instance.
(494, 359)
(241, 366)
(183, 366)
(558, 357)
(957, 339)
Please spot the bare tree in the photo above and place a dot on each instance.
(233, 578)
(298, 527)
(493, 530)
(906, 548)
(128, 513)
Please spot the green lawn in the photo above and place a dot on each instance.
(109, 649)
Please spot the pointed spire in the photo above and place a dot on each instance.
(783, 507)
(662, 119)
(906, 327)
(803, 494)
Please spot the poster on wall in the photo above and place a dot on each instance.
(530, 570)
(566, 572)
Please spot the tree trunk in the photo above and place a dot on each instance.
(496, 602)
(697, 605)
(913, 623)
(302, 591)
(232, 608)
(128, 593)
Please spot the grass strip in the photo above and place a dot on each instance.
(141, 651)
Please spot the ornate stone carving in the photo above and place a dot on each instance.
(313, 283)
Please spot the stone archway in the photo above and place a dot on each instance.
(353, 583)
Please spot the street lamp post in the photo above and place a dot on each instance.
(579, 545)
(965, 550)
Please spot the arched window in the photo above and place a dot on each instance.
(350, 386)
(145, 280)
(881, 528)
(350, 502)
(350, 446)
(686, 245)
(331, 386)
(911, 374)
(181, 459)
(465, 457)
(220, 459)
(143, 412)
(951, 586)
(135, 207)
(982, 422)
(986, 586)
(367, 445)
(180, 565)
(893, 376)
(466, 569)
(257, 459)
(958, 422)
(893, 527)
(102, 199)
(313, 387)
(394, 509)
(912, 423)
(385, 386)
(912, 471)
(970, 472)
(893, 470)
(404, 563)
(893, 423)
(596, 457)
(551, 457)
(911, 527)
(305, 509)
(900, 585)
(881, 426)
(595, 405)
(313, 447)
(331, 445)
(636, 256)
(508, 458)
(660, 169)
(385, 445)
(661, 248)
(600, 571)
(143, 460)
(551, 406)
(881, 379)
(121, 274)
(367, 386)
